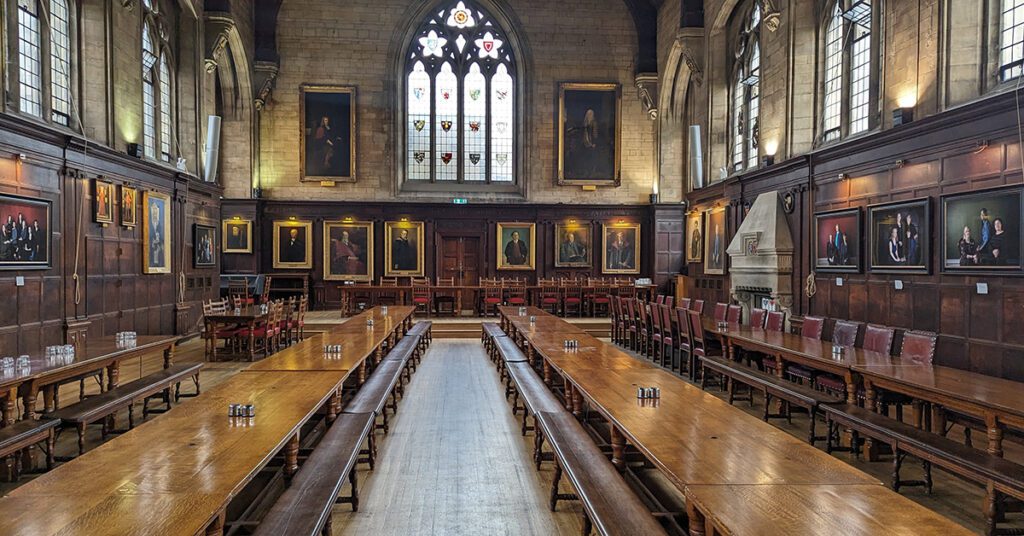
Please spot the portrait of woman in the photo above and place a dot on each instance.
(898, 234)
(982, 230)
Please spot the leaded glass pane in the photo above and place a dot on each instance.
(60, 62)
(833, 98)
(148, 94)
(446, 135)
(860, 77)
(418, 124)
(165, 110)
(474, 130)
(1011, 40)
(753, 105)
(502, 125)
(29, 63)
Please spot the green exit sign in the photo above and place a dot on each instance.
(460, 201)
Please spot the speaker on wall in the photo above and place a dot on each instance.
(696, 157)
(212, 149)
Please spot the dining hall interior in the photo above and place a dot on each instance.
(617, 267)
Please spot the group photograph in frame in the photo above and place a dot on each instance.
(715, 242)
(25, 232)
(981, 231)
(204, 246)
(293, 244)
(236, 235)
(517, 245)
(899, 235)
(695, 237)
(348, 251)
(327, 136)
(620, 247)
(103, 194)
(589, 127)
(837, 241)
(573, 245)
(403, 248)
(156, 238)
(129, 206)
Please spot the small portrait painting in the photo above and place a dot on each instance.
(24, 233)
(103, 193)
(156, 238)
(293, 244)
(572, 245)
(621, 246)
(403, 248)
(348, 251)
(715, 243)
(328, 115)
(204, 239)
(899, 236)
(695, 237)
(129, 204)
(237, 235)
(516, 245)
(982, 231)
(588, 136)
(837, 241)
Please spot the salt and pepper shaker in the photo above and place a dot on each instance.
(648, 392)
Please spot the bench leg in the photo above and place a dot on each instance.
(131, 416)
(526, 413)
(588, 527)
(810, 432)
(538, 444)
(328, 526)
(554, 486)
(51, 441)
(81, 438)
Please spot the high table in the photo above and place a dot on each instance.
(699, 441)
(247, 316)
(176, 474)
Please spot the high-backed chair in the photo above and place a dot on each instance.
(669, 339)
(684, 345)
(878, 339)
(684, 303)
(615, 316)
(445, 297)
(491, 300)
(659, 299)
(721, 312)
(757, 317)
(516, 296)
(572, 300)
(421, 298)
(657, 334)
(845, 332)
(632, 328)
(550, 298)
(669, 301)
(698, 343)
(599, 299)
(812, 328)
(734, 314)
(918, 346)
(643, 328)
(776, 322)
(698, 305)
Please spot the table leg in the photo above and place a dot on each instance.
(216, 527)
(870, 449)
(169, 356)
(567, 389)
(211, 333)
(577, 403)
(8, 408)
(547, 374)
(378, 356)
(291, 457)
(252, 340)
(696, 519)
(938, 420)
(995, 435)
(28, 399)
(362, 372)
(333, 405)
(49, 396)
(618, 449)
(113, 374)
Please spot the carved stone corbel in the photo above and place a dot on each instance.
(129, 4)
(771, 16)
(217, 26)
(266, 76)
(696, 73)
(647, 91)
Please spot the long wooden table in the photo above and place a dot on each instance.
(176, 474)
(701, 442)
(97, 354)
(247, 317)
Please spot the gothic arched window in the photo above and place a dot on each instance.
(460, 90)
(746, 91)
(157, 99)
(44, 59)
(849, 69)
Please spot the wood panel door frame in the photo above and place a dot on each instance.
(440, 235)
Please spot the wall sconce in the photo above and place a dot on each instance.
(347, 218)
(237, 218)
(291, 218)
(905, 113)
(403, 219)
(843, 177)
(572, 222)
(770, 148)
(134, 149)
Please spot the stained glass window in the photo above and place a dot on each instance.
(849, 69)
(746, 91)
(29, 59)
(1011, 40)
(460, 99)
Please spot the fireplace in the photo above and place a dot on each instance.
(761, 258)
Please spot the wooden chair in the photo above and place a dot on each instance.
(445, 297)
(600, 298)
(669, 301)
(265, 295)
(300, 327)
(516, 295)
(616, 317)
(878, 339)
(684, 303)
(812, 328)
(632, 328)
(550, 298)
(239, 289)
(698, 343)
(845, 333)
(684, 345)
(288, 320)
(643, 328)
(776, 322)
(490, 300)
(421, 298)
(721, 312)
(698, 305)
(212, 332)
(757, 317)
(265, 334)
(734, 314)
(659, 299)
(388, 297)
(572, 300)
(625, 291)
(657, 335)
(669, 339)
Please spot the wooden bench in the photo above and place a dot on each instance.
(408, 352)
(424, 329)
(374, 395)
(25, 434)
(792, 394)
(107, 404)
(536, 398)
(609, 505)
(306, 505)
(490, 332)
(508, 353)
(1000, 477)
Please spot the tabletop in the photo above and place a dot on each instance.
(244, 314)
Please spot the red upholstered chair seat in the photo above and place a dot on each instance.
(421, 300)
(602, 299)
(492, 300)
(258, 332)
(572, 300)
(516, 301)
(549, 300)
(226, 333)
(830, 382)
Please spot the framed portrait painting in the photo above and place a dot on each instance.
(156, 238)
(695, 237)
(293, 244)
(103, 196)
(981, 231)
(715, 241)
(204, 246)
(620, 246)
(236, 235)
(25, 230)
(517, 246)
(573, 245)
(328, 133)
(129, 206)
(348, 251)
(403, 248)
(899, 235)
(589, 123)
(837, 242)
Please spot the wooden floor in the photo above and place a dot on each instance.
(455, 462)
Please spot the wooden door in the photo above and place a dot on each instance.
(460, 259)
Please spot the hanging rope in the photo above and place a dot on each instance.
(810, 288)
(78, 247)
(184, 258)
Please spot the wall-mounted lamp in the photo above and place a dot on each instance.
(573, 222)
(134, 149)
(20, 157)
(902, 116)
(770, 148)
(347, 218)
(237, 218)
(403, 219)
(291, 218)
(843, 177)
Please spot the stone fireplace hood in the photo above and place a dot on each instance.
(761, 255)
